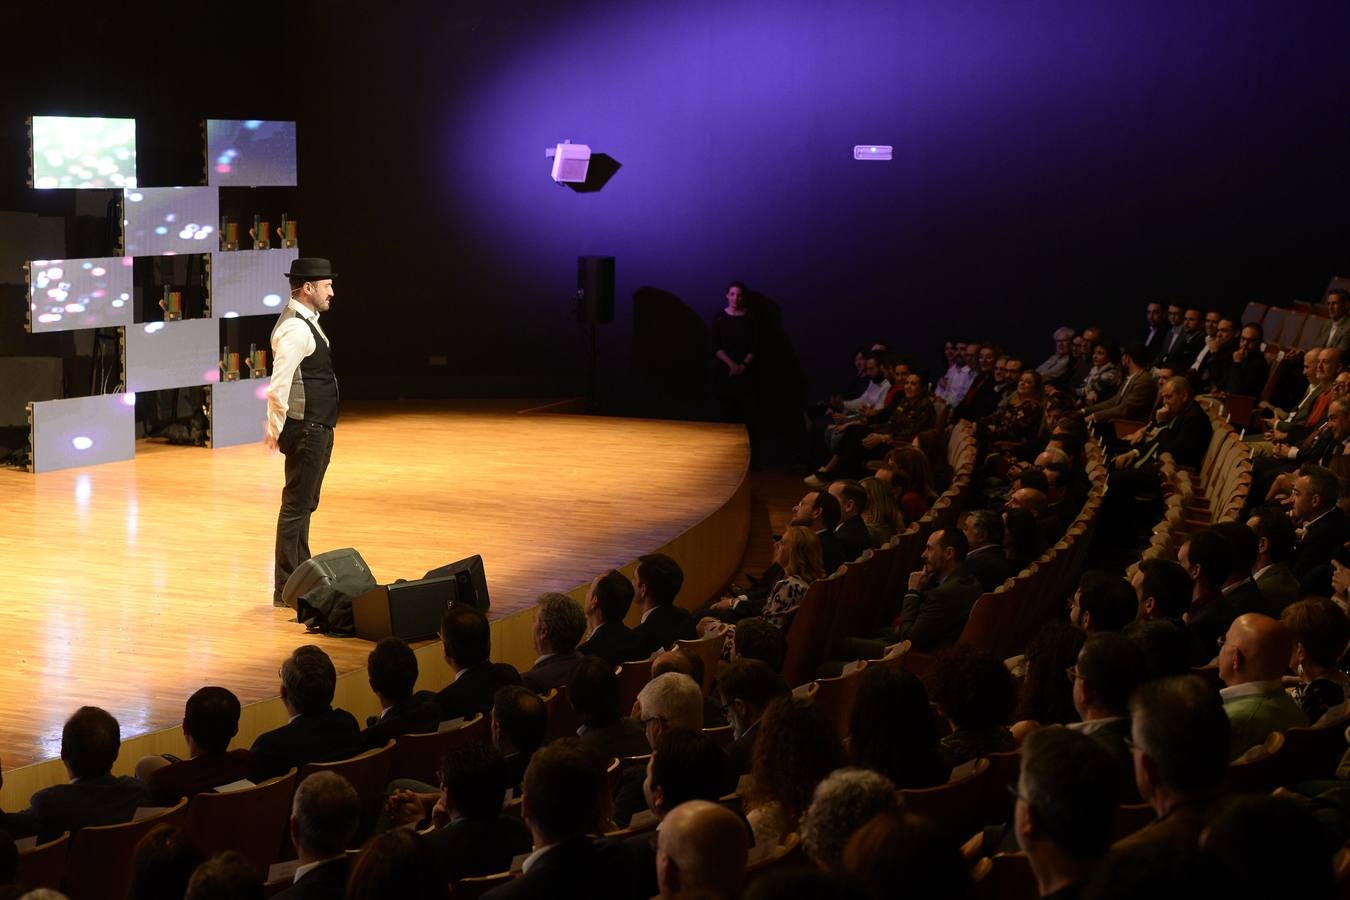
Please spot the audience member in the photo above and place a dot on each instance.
(1162, 589)
(1270, 847)
(1103, 602)
(1254, 657)
(1023, 542)
(912, 480)
(1137, 393)
(1109, 669)
(757, 639)
(470, 836)
(392, 670)
(1066, 802)
(316, 732)
(325, 814)
(797, 554)
(210, 722)
(746, 687)
(1046, 696)
(1158, 870)
(1165, 645)
(845, 801)
(667, 701)
(1322, 529)
(882, 513)
(90, 743)
(796, 749)
(986, 559)
(229, 876)
(161, 865)
(702, 852)
(1320, 632)
(940, 595)
(1059, 366)
(466, 642)
(1157, 332)
(559, 625)
(658, 582)
(561, 805)
(819, 511)
(852, 529)
(607, 603)
(519, 728)
(892, 729)
(1187, 343)
(395, 864)
(894, 850)
(595, 695)
(1274, 552)
(1180, 741)
(1207, 559)
(687, 662)
(976, 693)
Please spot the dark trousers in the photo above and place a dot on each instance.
(307, 447)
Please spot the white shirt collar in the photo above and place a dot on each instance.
(304, 870)
(303, 311)
(1256, 576)
(647, 613)
(1310, 523)
(1251, 689)
(534, 857)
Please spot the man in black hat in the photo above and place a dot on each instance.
(302, 409)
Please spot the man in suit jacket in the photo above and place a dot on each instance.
(467, 645)
(851, 531)
(659, 579)
(561, 807)
(607, 603)
(940, 595)
(1185, 434)
(747, 687)
(1252, 661)
(325, 814)
(210, 722)
(1337, 331)
(985, 559)
(1108, 669)
(672, 700)
(559, 624)
(1187, 344)
(316, 732)
(1323, 528)
(519, 727)
(1207, 558)
(1137, 393)
(702, 849)
(1275, 548)
(1156, 335)
(1246, 370)
(392, 670)
(1293, 427)
(90, 741)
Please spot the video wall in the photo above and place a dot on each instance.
(245, 264)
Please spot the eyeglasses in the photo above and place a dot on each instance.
(1072, 673)
(1218, 642)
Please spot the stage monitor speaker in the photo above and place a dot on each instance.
(595, 289)
(410, 610)
(470, 581)
(326, 569)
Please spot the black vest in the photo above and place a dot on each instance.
(319, 383)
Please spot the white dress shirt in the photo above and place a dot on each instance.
(292, 341)
(872, 398)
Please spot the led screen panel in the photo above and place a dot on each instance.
(168, 221)
(66, 294)
(163, 355)
(76, 152)
(250, 282)
(250, 153)
(83, 431)
(238, 411)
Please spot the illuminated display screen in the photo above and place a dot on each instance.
(71, 152)
(250, 282)
(83, 431)
(250, 153)
(66, 294)
(172, 354)
(167, 221)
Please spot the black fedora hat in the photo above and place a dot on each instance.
(311, 268)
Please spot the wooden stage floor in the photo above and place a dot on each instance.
(132, 584)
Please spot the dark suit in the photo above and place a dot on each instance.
(980, 400)
(472, 691)
(1207, 624)
(1155, 339)
(418, 714)
(550, 673)
(614, 642)
(1134, 400)
(625, 737)
(1186, 436)
(1245, 597)
(1279, 585)
(1312, 554)
(576, 869)
(106, 800)
(639, 852)
(831, 553)
(989, 565)
(189, 777)
(740, 756)
(933, 618)
(1295, 427)
(1184, 351)
(663, 626)
(318, 737)
(853, 538)
(327, 881)
(629, 800)
(469, 848)
(1247, 378)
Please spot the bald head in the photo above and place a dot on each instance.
(1328, 364)
(1030, 499)
(1256, 648)
(701, 846)
(1310, 359)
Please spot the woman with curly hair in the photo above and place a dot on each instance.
(882, 515)
(1046, 697)
(892, 729)
(911, 479)
(976, 693)
(796, 748)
